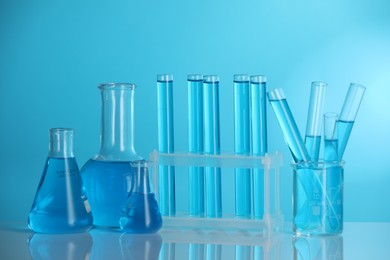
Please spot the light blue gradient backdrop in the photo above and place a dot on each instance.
(54, 53)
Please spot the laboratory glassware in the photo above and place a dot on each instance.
(318, 247)
(330, 137)
(348, 115)
(242, 144)
(141, 214)
(318, 203)
(166, 143)
(258, 112)
(195, 143)
(212, 144)
(314, 119)
(107, 176)
(60, 204)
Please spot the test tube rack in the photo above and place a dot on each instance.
(272, 220)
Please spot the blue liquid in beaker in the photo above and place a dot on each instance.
(141, 214)
(107, 185)
(313, 146)
(344, 129)
(60, 205)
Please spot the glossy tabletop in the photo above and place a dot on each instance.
(358, 241)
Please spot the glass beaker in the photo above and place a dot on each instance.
(107, 176)
(60, 205)
(141, 214)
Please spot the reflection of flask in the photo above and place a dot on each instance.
(141, 214)
(145, 246)
(60, 246)
(60, 205)
(107, 176)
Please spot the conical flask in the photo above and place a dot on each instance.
(141, 214)
(107, 176)
(60, 205)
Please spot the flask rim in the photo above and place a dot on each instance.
(115, 85)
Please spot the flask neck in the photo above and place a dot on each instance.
(61, 143)
(117, 122)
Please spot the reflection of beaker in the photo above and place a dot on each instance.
(138, 247)
(141, 214)
(106, 243)
(107, 177)
(60, 246)
(318, 247)
(60, 205)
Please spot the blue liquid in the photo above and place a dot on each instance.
(212, 146)
(313, 146)
(242, 147)
(107, 185)
(141, 214)
(166, 145)
(344, 129)
(290, 130)
(195, 137)
(331, 150)
(60, 206)
(259, 142)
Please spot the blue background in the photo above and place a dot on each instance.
(54, 53)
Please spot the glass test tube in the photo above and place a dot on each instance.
(287, 123)
(259, 138)
(314, 119)
(195, 143)
(166, 143)
(242, 144)
(348, 115)
(330, 137)
(212, 144)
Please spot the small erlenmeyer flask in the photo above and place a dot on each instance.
(60, 205)
(141, 214)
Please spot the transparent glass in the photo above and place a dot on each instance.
(258, 106)
(107, 176)
(348, 115)
(195, 143)
(314, 119)
(318, 198)
(242, 144)
(60, 205)
(166, 142)
(288, 125)
(212, 144)
(141, 214)
(330, 137)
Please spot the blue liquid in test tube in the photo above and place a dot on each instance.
(212, 144)
(314, 119)
(258, 97)
(330, 137)
(195, 138)
(166, 143)
(348, 115)
(242, 144)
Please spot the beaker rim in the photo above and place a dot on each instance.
(115, 85)
(317, 164)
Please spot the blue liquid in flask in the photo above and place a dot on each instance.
(141, 214)
(60, 205)
(108, 184)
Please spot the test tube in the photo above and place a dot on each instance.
(287, 123)
(242, 144)
(314, 119)
(348, 115)
(166, 143)
(195, 144)
(259, 138)
(212, 144)
(330, 137)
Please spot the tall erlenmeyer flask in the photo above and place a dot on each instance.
(107, 176)
(60, 205)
